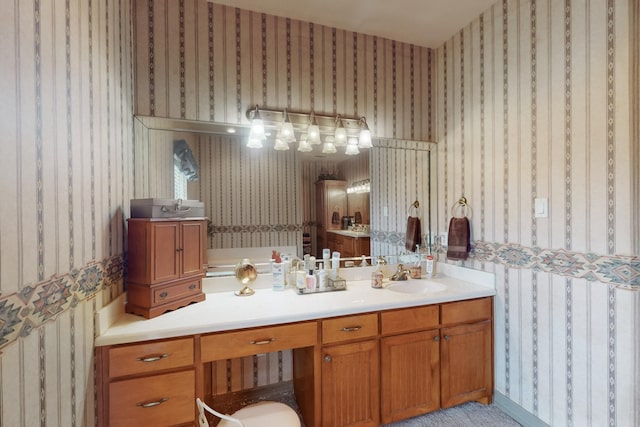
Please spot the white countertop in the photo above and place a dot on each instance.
(350, 233)
(222, 310)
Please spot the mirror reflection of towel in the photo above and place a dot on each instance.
(459, 244)
(413, 233)
(335, 218)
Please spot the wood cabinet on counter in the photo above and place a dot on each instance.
(166, 263)
(349, 246)
(355, 370)
(331, 206)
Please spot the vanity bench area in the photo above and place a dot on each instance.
(361, 357)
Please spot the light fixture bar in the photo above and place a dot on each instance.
(273, 119)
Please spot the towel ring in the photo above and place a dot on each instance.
(415, 205)
(462, 203)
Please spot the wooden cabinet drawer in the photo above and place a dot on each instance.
(466, 311)
(349, 328)
(150, 357)
(229, 345)
(158, 400)
(177, 290)
(409, 319)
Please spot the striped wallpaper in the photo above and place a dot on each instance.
(534, 100)
(66, 113)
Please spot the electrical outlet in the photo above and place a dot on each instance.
(444, 239)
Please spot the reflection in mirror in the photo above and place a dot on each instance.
(266, 198)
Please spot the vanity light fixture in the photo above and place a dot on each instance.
(341, 133)
(357, 187)
(313, 132)
(329, 147)
(365, 135)
(352, 147)
(304, 145)
(281, 126)
(286, 131)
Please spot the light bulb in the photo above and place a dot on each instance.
(280, 145)
(328, 148)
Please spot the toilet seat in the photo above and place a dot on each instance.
(261, 414)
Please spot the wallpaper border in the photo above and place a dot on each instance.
(23, 312)
(620, 270)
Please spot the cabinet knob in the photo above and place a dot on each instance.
(163, 294)
(446, 337)
(436, 338)
(192, 286)
(327, 358)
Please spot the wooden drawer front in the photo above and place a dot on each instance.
(410, 319)
(467, 311)
(349, 328)
(158, 400)
(230, 345)
(176, 291)
(150, 357)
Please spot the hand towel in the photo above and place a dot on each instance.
(413, 233)
(335, 218)
(459, 244)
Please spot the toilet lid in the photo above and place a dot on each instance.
(265, 414)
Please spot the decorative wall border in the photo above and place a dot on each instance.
(620, 270)
(25, 311)
(254, 228)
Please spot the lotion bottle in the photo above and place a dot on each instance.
(311, 280)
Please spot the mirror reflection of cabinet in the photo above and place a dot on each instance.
(331, 204)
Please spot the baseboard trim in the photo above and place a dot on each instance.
(516, 411)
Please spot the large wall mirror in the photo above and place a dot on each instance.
(267, 198)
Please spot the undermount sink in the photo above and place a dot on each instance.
(416, 286)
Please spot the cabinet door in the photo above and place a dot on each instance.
(165, 246)
(410, 379)
(466, 363)
(192, 247)
(351, 385)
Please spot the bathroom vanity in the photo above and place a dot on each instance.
(360, 357)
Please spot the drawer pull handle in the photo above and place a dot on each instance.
(262, 342)
(192, 286)
(163, 294)
(152, 358)
(152, 404)
(351, 328)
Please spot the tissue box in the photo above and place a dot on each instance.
(166, 208)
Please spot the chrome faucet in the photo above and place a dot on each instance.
(401, 274)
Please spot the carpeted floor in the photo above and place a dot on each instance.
(472, 414)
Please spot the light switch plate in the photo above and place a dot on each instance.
(541, 207)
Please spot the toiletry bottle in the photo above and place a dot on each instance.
(322, 277)
(335, 264)
(430, 266)
(301, 279)
(376, 277)
(311, 280)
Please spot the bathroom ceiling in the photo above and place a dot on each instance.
(427, 23)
